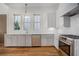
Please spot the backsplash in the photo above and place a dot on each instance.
(74, 28)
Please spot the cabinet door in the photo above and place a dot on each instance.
(50, 40)
(44, 40)
(14, 40)
(10, 40)
(76, 47)
(36, 40)
(28, 40)
(47, 40)
(21, 40)
(7, 40)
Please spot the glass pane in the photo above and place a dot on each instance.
(37, 27)
(27, 19)
(17, 20)
(36, 18)
(27, 26)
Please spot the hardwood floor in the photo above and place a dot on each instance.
(28, 51)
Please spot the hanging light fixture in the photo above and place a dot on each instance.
(25, 8)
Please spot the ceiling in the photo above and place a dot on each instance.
(22, 5)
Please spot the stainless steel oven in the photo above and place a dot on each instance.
(65, 45)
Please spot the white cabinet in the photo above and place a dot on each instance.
(10, 40)
(43, 40)
(76, 47)
(28, 40)
(14, 40)
(21, 40)
(50, 40)
(56, 40)
(7, 41)
(47, 40)
(17, 40)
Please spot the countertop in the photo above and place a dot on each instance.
(27, 33)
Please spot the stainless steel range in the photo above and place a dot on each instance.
(66, 44)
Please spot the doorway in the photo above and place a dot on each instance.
(3, 19)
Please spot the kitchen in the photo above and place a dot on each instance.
(42, 25)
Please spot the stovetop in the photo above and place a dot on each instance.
(71, 36)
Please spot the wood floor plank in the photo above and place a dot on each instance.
(28, 51)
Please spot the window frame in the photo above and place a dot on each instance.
(29, 29)
(20, 23)
(32, 22)
(36, 22)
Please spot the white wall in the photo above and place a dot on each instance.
(43, 11)
(3, 9)
(75, 25)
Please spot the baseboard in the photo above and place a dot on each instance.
(25, 46)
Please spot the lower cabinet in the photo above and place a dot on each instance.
(36, 40)
(17, 40)
(28, 40)
(13, 40)
(7, 40)
(76, 47)
(21, 40)
(47, 40)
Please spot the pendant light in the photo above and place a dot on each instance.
(25, 8)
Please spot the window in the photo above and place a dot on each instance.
(37, 23)
(27, 23)
(17, 20)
